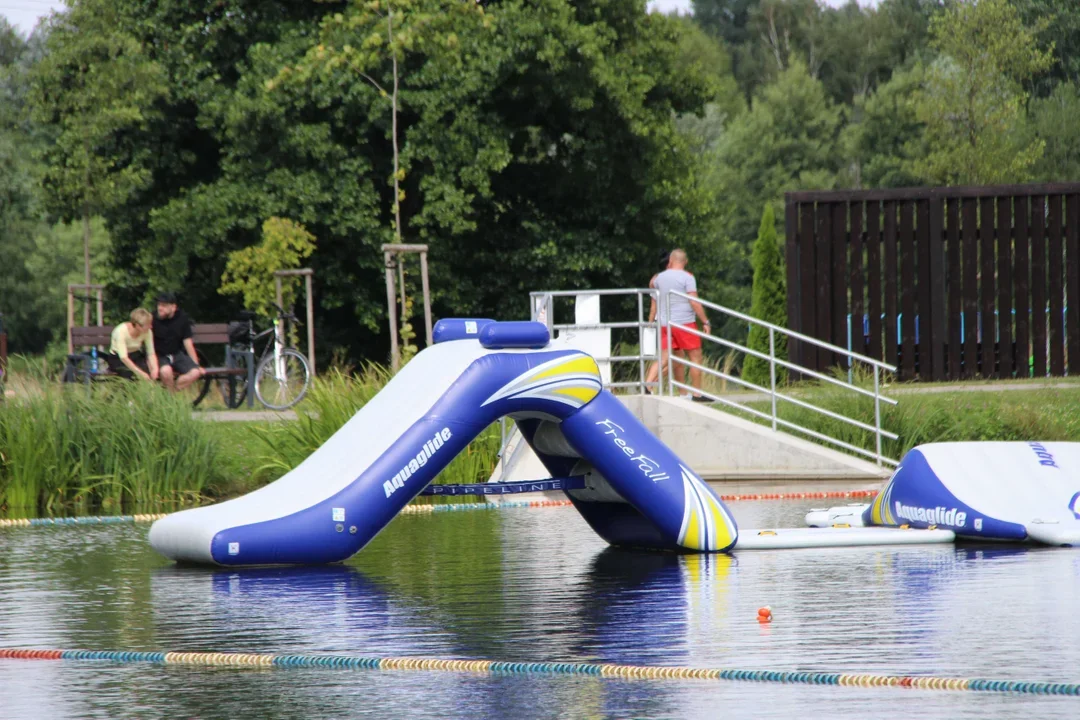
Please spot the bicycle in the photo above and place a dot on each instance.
(282, 374)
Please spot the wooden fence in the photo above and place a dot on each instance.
(944, 283)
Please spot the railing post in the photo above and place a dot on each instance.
(877, 414)
(772, 374)
(641, 342)
(670, 363)
(502, 448)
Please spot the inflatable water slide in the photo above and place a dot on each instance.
(1002, 491)
(627, 485)
(635, 491)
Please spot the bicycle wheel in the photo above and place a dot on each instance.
(280, 386)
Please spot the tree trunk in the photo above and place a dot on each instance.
(393, 121)
(86, 263)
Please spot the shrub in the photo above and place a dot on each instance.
(768, 303)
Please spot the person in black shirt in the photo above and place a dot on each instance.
(173, 344)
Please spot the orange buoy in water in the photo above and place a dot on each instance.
(764, 614)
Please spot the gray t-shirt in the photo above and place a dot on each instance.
(682, 313)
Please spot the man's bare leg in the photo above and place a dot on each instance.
(167, 376)
(679, 370)
(695, 373)
(187, 378)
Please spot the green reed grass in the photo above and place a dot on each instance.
(113, 445)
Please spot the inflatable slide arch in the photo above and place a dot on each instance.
(637, 492)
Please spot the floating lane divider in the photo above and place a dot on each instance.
(628, 672)
(421, 509)
(84, 520)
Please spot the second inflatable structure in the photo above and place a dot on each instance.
(637, 491)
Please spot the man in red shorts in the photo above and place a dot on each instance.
(681, 314)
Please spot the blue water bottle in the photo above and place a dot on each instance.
(93, 359)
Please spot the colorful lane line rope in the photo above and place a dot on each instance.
(84, 520)
(627, 672)
(422, 509)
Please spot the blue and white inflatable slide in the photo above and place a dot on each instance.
(637, 492)
(1002, 491)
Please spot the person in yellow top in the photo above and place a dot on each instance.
(132, 350)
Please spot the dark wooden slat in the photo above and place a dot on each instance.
(1072, 274)
(791, 262)
(839, 280)
(920, 193)
(956, 283)
(807, 284)
(93, 335)
(936, 334)
(1020, 282)
(970, 246)
(890, 270)
(858, 307)
(824, 283)
(986, 251)
(906, 240)
(1004, 282)
(873, 266)
(1056, 290)
(1038, 284)
(923, 319)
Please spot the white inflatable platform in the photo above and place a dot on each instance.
(979, 490)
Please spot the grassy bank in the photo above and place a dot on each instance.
(119, 446)
(1027, 414)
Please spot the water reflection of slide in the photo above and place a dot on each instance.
(331, 505)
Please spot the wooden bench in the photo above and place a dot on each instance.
(239, 363)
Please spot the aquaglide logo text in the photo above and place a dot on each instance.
(426, 453)
(932, 516)
(1046, 459)
(645, 464)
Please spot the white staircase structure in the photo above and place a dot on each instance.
(745, 456)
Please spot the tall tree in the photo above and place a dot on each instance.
(769, 304)
(887, 136)
(973, 98)
(94, 87)
(788, 140)
(1054, 120)
(1060, 23)
(537, 147)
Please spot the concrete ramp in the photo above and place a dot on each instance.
(724, 449)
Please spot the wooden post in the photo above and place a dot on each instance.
(427, 295)
(309, 303)
(100, 308)
(310, 321)
(391, 309)
(401, 281)
(70, 318)
(395, 253)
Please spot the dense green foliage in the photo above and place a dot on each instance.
(541, 144)
(769, 303)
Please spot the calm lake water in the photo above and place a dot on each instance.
(536, 585)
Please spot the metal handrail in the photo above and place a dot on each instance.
(783, 363)
(771, 391)
(790, 333)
